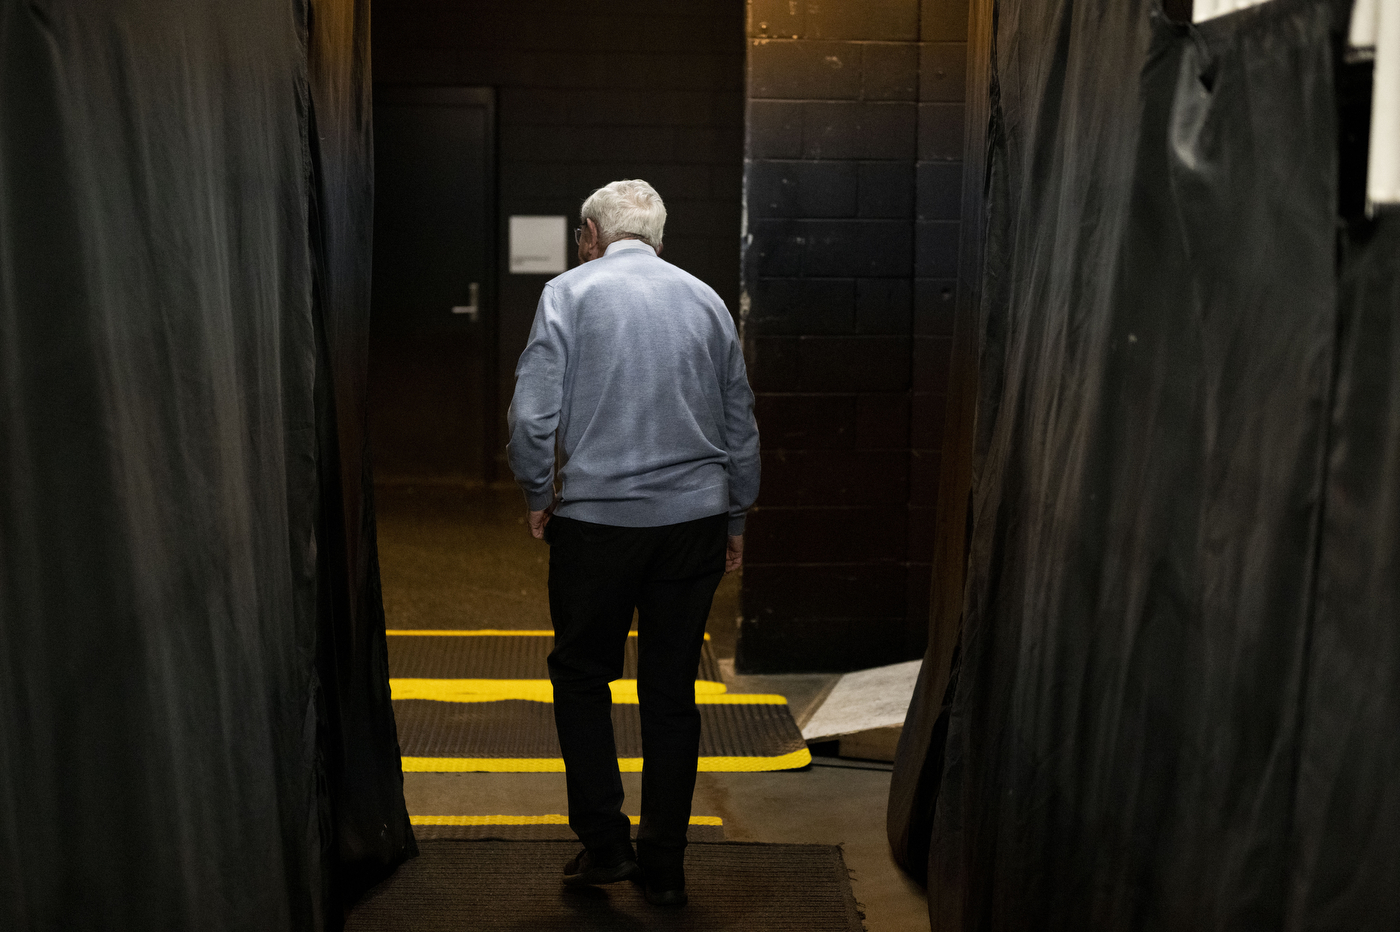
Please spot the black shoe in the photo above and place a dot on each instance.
(657, 896)
(604, 865)
(663, 884)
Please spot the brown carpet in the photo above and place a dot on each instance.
(504, 657)
(545, 832)
(521, 729)
(491, 886)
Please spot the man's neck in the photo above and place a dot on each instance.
(629, 242)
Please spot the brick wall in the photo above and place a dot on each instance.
(853, 188)
(587, 94)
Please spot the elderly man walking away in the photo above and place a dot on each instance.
(635, 376)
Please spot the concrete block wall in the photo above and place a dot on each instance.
(853, 182)
(587, 94)
(838, 128)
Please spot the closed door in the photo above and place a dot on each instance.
(432, 326)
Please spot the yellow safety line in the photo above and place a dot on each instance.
(789, 761)
(553, 819)
(479, 632)
(483, 632)
(624, 692)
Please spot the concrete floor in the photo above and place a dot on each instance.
(455, 557)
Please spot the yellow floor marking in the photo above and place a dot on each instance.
(624, 692)
(478, 632)
(789, 761)
(553, 819)
(483, 632)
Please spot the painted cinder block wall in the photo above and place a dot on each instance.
(587, 94)
(853, 182)
(837, 128)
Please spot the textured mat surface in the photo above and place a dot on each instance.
(533, 828)
(458, 736)
(517, 656)
(480, 700)
(490, 886)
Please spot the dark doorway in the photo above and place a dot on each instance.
(432, 378)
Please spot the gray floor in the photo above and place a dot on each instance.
(455, 557)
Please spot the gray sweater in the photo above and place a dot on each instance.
(635, 372)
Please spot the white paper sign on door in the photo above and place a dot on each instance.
(538, 244)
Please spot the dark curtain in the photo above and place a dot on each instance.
(1176, 701)
(359, 740)
(188, 590)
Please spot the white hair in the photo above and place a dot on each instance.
(626, 208)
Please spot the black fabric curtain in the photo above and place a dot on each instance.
(195, 729)
(371, 832)
(1176, 705)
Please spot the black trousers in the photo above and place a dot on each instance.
(597, 574)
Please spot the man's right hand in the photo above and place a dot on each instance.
(537, 520)
(733, 554)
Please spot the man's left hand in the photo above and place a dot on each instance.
(733, 553)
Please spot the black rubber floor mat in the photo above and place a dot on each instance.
(470, 655)
(519, 736)
(505, 886)
(532, 828)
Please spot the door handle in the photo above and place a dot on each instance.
(473, 310)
